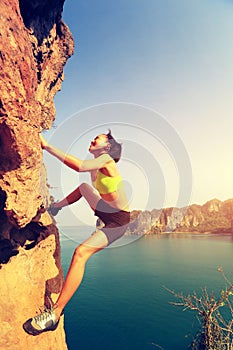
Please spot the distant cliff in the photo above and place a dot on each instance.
(213, 216)
(34, 47)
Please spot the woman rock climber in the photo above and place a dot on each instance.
(109, 203)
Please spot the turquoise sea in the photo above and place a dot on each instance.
(122, 303)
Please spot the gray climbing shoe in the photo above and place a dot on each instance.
(44, 322)
(52, 210)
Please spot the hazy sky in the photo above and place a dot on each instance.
(159, 74)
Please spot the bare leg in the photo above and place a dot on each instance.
(84, 190)
(83, 252)
(70, 199)
(92, 245)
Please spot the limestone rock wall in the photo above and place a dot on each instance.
(24, 282)
(213, 216)
(34, 46)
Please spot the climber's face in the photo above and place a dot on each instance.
(99, 144)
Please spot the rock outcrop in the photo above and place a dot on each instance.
(34, 47)
(213, 216)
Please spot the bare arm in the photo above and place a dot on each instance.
(74, 162)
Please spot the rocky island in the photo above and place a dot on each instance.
(214, 216)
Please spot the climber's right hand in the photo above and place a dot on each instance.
(43, 142)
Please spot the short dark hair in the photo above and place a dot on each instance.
(115, 147)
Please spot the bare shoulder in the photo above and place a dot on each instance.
(96, 163)
(110, 167)
(105, 157)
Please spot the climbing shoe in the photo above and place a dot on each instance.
(53, 210)
(44, 322)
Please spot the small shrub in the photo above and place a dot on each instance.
(215, 314)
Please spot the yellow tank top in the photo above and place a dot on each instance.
(106, 184)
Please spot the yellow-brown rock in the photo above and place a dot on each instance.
(34, 47)
(29, 273)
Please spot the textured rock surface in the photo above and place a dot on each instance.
(213, 216)
(29, 273)
(34, 47)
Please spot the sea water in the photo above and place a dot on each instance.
(123, 302)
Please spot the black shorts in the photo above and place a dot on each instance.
(116, 221)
